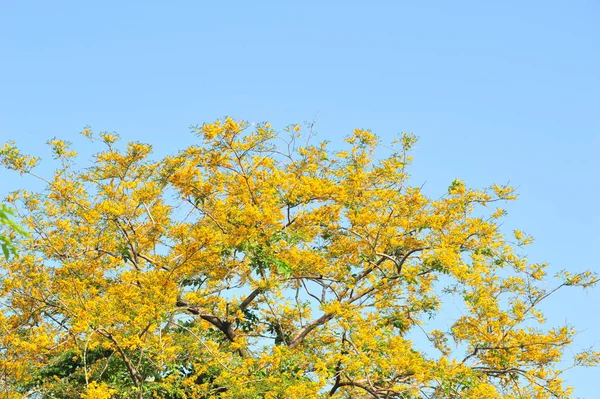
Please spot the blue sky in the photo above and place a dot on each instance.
(496, 91)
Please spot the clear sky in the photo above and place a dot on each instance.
(496, 91)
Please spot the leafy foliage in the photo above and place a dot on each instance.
(258, 266)
(6, 244)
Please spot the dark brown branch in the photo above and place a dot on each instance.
(249, 299)
(224, 326)
(498, 372)
(338, 368)
(130, 368)
(359, 385)
(338, 376)
(304, 331)
(406, 255)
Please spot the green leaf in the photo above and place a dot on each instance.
(455, 183)
(6, 251)
(283, 268)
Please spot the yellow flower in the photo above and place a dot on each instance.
(98, 391)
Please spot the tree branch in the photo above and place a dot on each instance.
(224, 326)
(244, 304)
(299, 336)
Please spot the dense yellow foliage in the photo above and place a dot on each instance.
(255, 266)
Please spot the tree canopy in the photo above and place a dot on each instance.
(259, 264)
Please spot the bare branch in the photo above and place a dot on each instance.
(299, 336)
(249, 299)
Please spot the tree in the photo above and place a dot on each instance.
(253, 266)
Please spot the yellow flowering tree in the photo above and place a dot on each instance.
(258, 265)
